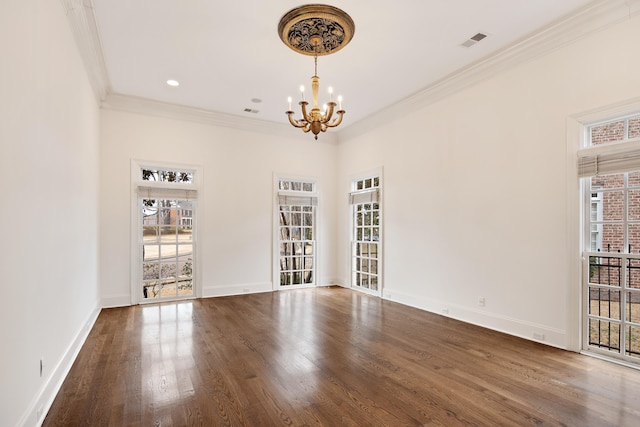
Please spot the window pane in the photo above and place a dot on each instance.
(167, 270)
(365, 249)
(604, 334)
(307, 186)
(634, 179)
(607, 181)
(150, 270)
(308, 263)
(149, 234)
(373, 250)
(633, 238)
(295, 233)
(374, 266)
(612, 205)
(633, 203)
(606, 133)
(373, 283)
(285, 218)
(185, 234)
(633, 307)
(296, 218)
(633, 273)
(286, 248)
(604, 271)
(634, 127)
(308, 219)
(612, 238)
(367, 218)
(633, 341)
(604, 303)
(308, 277)
(308, 233)
(365, 266)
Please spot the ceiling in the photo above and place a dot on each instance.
(227, 55)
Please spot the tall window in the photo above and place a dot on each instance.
(611, 168)
(297, 203)
(366, 235)
(165, 244)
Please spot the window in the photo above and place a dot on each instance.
(366, 235)
(611, 168)
(296, 211)
(164, 243)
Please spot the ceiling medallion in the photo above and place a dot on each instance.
(316, 30)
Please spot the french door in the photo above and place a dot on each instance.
(612, 266)
(366, 235)
(296, 233)
(166, 237)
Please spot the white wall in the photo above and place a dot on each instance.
(49, 179)
(235, 211)
(476, 190)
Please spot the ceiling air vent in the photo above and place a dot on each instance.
(473, 40)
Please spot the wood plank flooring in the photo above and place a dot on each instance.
(328, 357)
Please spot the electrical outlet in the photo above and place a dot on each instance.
(445, 311)
(481, 301)
(245, 290)
(538, 336)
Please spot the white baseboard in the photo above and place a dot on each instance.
(39, 407)
(237, 289)
(511, 326)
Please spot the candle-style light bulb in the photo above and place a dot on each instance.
(324, 109)
(330, 93)
(289, 101)
(340, 102)
(302, 91)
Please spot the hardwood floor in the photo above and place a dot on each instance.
(328, 357)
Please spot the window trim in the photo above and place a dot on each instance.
(576, 136)
(193, 190)
(275, 251)
(354, 195)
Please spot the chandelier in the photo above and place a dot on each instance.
(316, 30)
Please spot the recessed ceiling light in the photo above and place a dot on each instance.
(173, 83)
(256, 100)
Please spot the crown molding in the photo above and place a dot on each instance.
(594, 17)
(84, 27)
(132, 104)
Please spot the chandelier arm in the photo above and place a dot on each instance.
(294, 122)
(329, 113)
(305, 115)
(339, 119)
